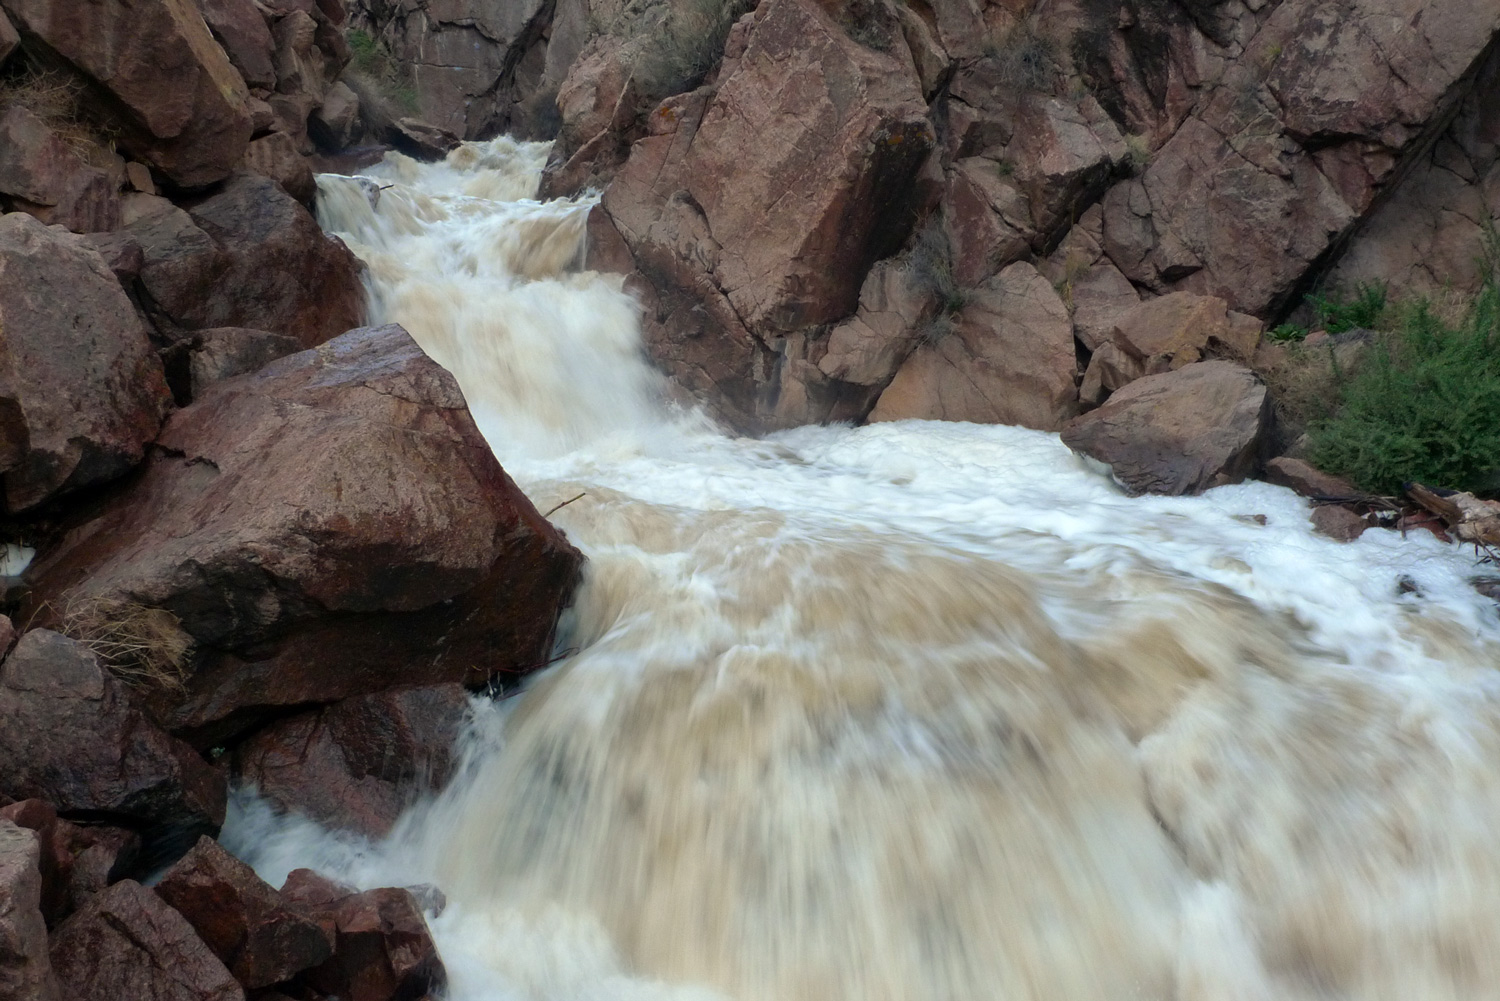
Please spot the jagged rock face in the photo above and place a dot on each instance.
(1292, 146)
(464, 56)
(185, 106)
(755, 211)
(81, 390)
(330, 525)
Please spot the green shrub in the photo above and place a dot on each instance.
(384, 86)
(1423, 400)
(1337, 315)
(1285, 332)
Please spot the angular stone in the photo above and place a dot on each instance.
(1338, 522)
(383, 952)
(330, 525)
(1307, 479)
(34, 163)
(183, 102)
(357, 764)
(250, 256)
(1009, 359)
(241, 918)
(9, 40)
(225, 352)
(336, 124)
(867, 348)
(51, 689)
(275, 156)
(25, 967)
(246, 39)
(125, 942)
(1178, 432)
(1178, 329)
(81, 390)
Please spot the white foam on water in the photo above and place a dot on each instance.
(916, 710)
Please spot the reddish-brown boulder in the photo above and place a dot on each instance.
(9, 40)
(51, 690)
(1008, 359)
(241, 918)
(383, 950)
(35, 164)
(25, 968)
(125, 942)
(276, 156)
(81, 390)
(893, 307)
(1338, 522)
(224, 352)
(357, 764)
(250, 256)
(1179, 432)
(54, 860)
(330, 525)
(755, 210)
(182, 104)
(76, 860)
(336, 124)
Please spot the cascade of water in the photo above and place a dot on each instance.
(918, 710)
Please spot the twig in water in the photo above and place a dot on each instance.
(564, 504)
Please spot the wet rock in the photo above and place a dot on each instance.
(51, 690)
(330, 525)
(81, 390)
(598, 103)
(250, 256)
(76, 860)
(54, 859)
(182, 104)
(744, 240)
(241, 918)
(1307, 479)
(1338, 522)
(893, 308)
(1009, 359)
(35, 164)
(383, 950)
(1178, 432)
(224, 352)
(25, 967)
(357, 764)
(127, 943)
(422, 140)
(276, 156)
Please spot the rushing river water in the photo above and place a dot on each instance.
(918, 711)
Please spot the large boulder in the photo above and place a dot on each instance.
(25, 968)
(52, 689)
(182, 105)
(127, 943)
(331, 525)
(1008, 358)
(81, 390)
(250, 256)
(241, 29)
(754, 210)
(1178, 432)
(241, 917)
(357, 764)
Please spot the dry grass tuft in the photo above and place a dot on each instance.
(61, 100)
(142, 646)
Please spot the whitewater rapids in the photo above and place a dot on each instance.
(918, 711)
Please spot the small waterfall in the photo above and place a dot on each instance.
(915, 711)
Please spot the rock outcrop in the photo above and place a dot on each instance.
(1179, 432)
(330, 525)
(383, 950)
(81, 390)
(357, 764)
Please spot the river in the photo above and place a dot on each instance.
(918, 711)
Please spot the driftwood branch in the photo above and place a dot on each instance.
(1471, 520)
(558, 507)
